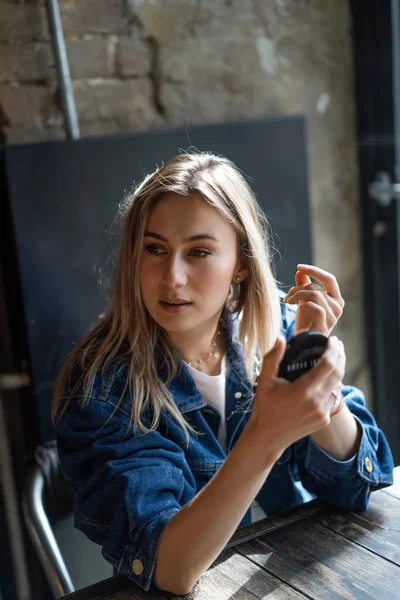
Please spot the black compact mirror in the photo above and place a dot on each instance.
(303, 352)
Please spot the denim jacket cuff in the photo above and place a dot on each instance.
(354, 471)
(139, 558)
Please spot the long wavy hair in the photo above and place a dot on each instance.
(128, 332)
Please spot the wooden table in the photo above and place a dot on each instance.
(310, 552)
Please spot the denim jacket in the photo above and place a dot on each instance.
(128, 485)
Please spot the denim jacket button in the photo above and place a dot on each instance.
(238, 394)
(368, 464)
(137, 566)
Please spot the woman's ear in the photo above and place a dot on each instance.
(242, 265)
(240, 274)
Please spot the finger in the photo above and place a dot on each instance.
(331, 305)
(336, 375)
(313, 298)
(307, 286)
(335, 378)
(301, 278)
(310, 295)
(271, 361)
(310, 315)
(336, 396)
(328, 280)
(338, 388)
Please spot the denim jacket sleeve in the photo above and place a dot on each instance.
(346, 484)
(122, 478)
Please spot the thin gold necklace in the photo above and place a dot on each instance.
(197, 363)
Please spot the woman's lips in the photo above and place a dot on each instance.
(174, 308)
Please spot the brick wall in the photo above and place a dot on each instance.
(145, 64)
(111, 62)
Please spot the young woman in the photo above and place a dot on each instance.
(170, 416)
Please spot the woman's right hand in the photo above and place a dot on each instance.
(284, 411)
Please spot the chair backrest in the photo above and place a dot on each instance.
(47, 497)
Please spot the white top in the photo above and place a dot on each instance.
(212, 390)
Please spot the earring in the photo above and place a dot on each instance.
(238, 279)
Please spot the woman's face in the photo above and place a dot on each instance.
(190, 256)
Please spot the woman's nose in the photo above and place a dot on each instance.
(175, 273)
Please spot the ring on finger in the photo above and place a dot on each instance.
(338, 403)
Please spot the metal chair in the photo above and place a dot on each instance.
(47, 497)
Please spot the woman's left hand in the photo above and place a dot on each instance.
(320, 307)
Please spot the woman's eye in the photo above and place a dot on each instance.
(199, 252)
(152, 249)
(158, 250)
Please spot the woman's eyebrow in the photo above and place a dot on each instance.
(193, 238)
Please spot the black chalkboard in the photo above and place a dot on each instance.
(64, 196)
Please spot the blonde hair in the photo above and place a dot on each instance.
(127, 331)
